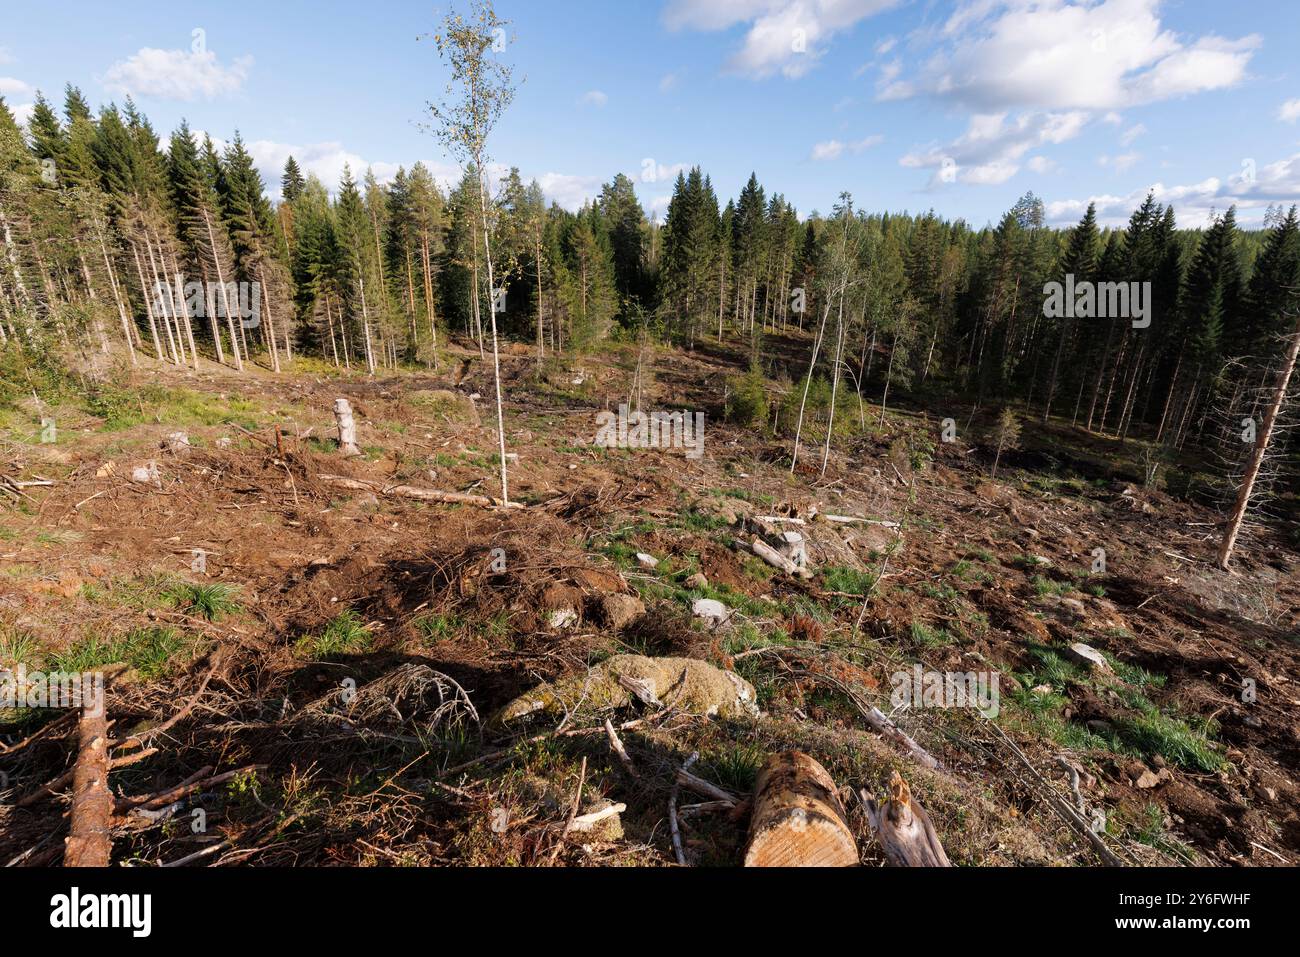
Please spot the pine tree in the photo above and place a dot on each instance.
(292, 183)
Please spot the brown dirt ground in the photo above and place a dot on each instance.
(418, 786)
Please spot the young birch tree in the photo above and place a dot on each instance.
(480, 90)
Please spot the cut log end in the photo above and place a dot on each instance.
(798, 820)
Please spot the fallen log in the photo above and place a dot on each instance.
(855, 520)
(89, 843)
(421, 494)
(798, 820)
(904, 829)
(777, 560)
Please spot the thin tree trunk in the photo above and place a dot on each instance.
(1262, 439)
(225, 300)
(148, 303)
(492, 307)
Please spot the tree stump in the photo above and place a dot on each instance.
(904, 829)
(798, 820)
(347, 427)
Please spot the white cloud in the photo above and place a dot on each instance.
(656, 207)
(1132, 133)
(788, 36)
(1053, 54)
(831, 149)
(1289, 111)
(1251, 190)
(595, 98)
(177, 74)
(1119, 163)
(834, 149)
(11, 86)
(569, 191)
(1042, 165)
(669, 81)
(990, 150)
(885, 45)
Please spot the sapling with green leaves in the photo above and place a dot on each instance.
(480, 90)
(1006, 434)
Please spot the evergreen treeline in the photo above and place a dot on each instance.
(95, 212)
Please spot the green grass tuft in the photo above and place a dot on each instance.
(346, 634)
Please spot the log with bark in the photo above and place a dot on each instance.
(420, 494)
(776, 559)
(89, 843)
(798, 820)
(904, 829)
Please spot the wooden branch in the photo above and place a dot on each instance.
(798, 820)
(881, 724)
(1066, 813)
(854, 520)
(588, 822)
(777, 560)
(701, 786)
(195, 782)
(89, 842)
(573, 812)
(421, 494)
(904, 829)
(617, 744)
(672, 810)
(137, 740)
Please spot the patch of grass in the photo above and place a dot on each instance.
(142, 593)
(210, 601)
(1149, 733)
(1135, 674)
(148, 650)
(979, 555)
(696, 521)
(122, 407)
(18, 647)
(849, 581)
(436, 627)
(940, 592)
(56, 536)
(1029, 562)
(923, 636)
(1045, 586)
(345, 634)
(735, 767)
(1155, 733)
(1149, 829)
(1053, 669)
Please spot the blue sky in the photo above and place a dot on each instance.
(907, 104)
